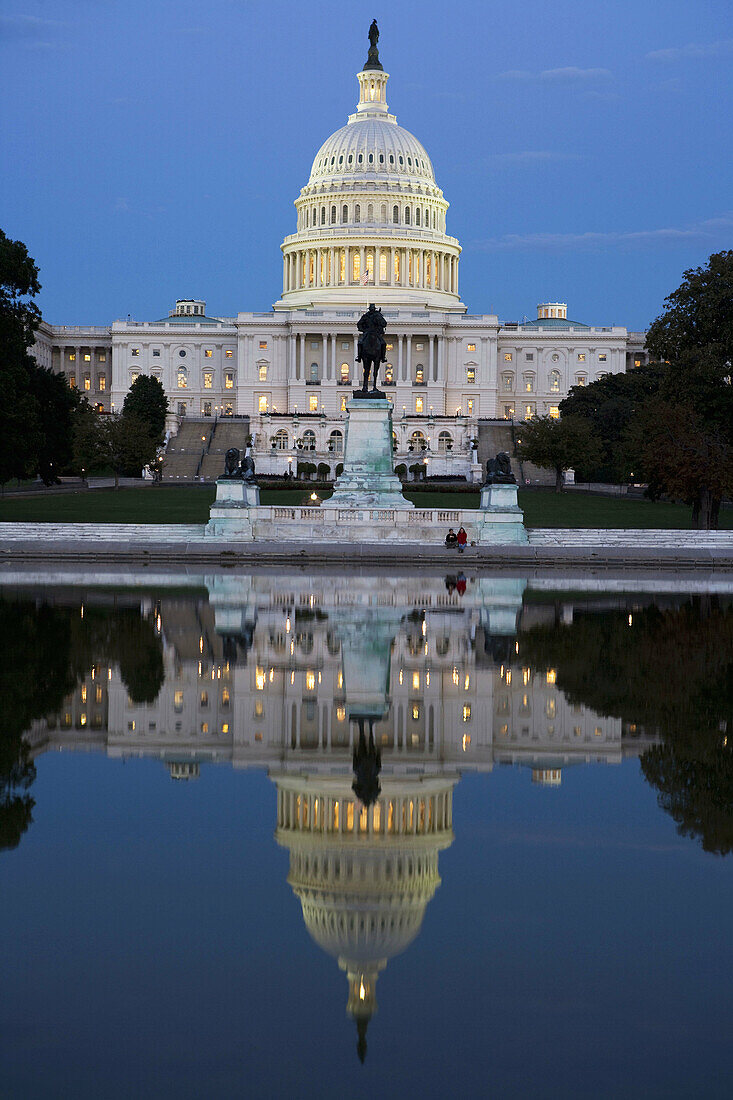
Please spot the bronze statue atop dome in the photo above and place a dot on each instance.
(372, 61)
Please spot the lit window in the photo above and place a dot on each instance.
(419, 376)
(134, 375)
(135, 351)
(602, 357)
(581, 379)
(87, 357)
(554, 412)
(469, 406)
(555, 381)
(262, 403)
(263, 344)
(581, 357)
(156, 353)
(263, 374)
(208, 379)
(72, 383)
(507, 357)
(225, 727)
(419, 347)
(419, 405)
(466, 712)
(228, 380)
(528, 383)
(508, 412)
(313, 403)
(528, 412)
(470, 347)
(182, 378)
(72, 356)
(507, 381)
(208, 353)
(470, 375)
(102, 358)
(355, 266)
(228, 354)
(87, 381)
(343, 404)
(344, 372)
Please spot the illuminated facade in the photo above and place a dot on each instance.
(371, 224)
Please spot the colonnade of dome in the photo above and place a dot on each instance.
(371, 215)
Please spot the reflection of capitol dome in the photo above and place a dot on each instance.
(371, 214)
(364, 876)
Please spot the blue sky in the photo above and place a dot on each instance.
(153, 150)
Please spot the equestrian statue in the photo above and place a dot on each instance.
(371, 349)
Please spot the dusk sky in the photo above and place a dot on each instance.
(153, 150)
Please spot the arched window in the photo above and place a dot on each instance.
(309, 440)
(445, 442)
(344, 213)
(370, 213)
(182, 378)
(433, 219)
(336, 442)
(344, 372)
(281, 440)
(554, 381)
(333, 215)
(418, 442)
(357, 213)
(419, 374)
(507, 380)
(323, 215)
(391, 159)
(383, 214)
(417, 215)
(396, 215)
(355, 265)
(307, 215)
(407, 215)
(529, 383)
(388, 374)
(427, 218)
(313, 376)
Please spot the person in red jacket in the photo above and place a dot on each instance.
(462, 539)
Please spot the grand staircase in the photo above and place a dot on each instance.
(197, 452)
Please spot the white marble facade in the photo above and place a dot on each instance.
(371, 225)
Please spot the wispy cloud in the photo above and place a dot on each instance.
(700, 232)
(29, 30)
(529, 157)
(570, 73)
(693, 49)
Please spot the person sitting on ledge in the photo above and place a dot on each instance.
(451, 539)
(461, 539)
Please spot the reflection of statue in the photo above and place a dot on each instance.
(372, 346)
(372, 61)
(499, 470)
(367, 766)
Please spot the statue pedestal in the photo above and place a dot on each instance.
(231, 513)
(368, 479)
(500, 519)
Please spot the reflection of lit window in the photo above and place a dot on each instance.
(83, 693)
(551, 676)
(415, 713)
(466, 740)
(598, 731)
(456, 677)
(508, 677)
(178, 700)
(467, 712)
(577, 731)
(526, 674)
(310, 681)
(259, 712)
(204, 698)
(416, 681)
(204, 727)
(260, 679)
(467, 682)
(550, 708)
(225, 697)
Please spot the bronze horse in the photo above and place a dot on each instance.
(371, 356)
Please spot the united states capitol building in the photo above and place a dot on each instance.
(371, 225)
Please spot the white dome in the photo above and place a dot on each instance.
(370, 150)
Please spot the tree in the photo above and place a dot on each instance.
(19, 318)
(57, 406)
(146, 400)
(560, 445)
(698, 315)
(683, 455)
(608, 405)
(123, 444)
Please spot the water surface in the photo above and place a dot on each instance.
(196, 902)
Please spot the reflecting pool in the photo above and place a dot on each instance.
(308, 835)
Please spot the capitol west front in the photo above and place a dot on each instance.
(371, 225)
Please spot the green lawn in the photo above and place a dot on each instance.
(542, 508)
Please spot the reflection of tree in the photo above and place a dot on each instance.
(671, 672)
(34, 679)
(49, 649)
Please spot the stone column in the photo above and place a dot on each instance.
(400, 376)
(362, 261)
(408, 358)
(430, 358)
(332, 267)
(291, 356)
(334, 341)
(377, 262)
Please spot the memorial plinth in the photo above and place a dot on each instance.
(232, 512)
(368, 479)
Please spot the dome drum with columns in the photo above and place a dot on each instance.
(371, 214)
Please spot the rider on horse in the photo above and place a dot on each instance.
(372, 321)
